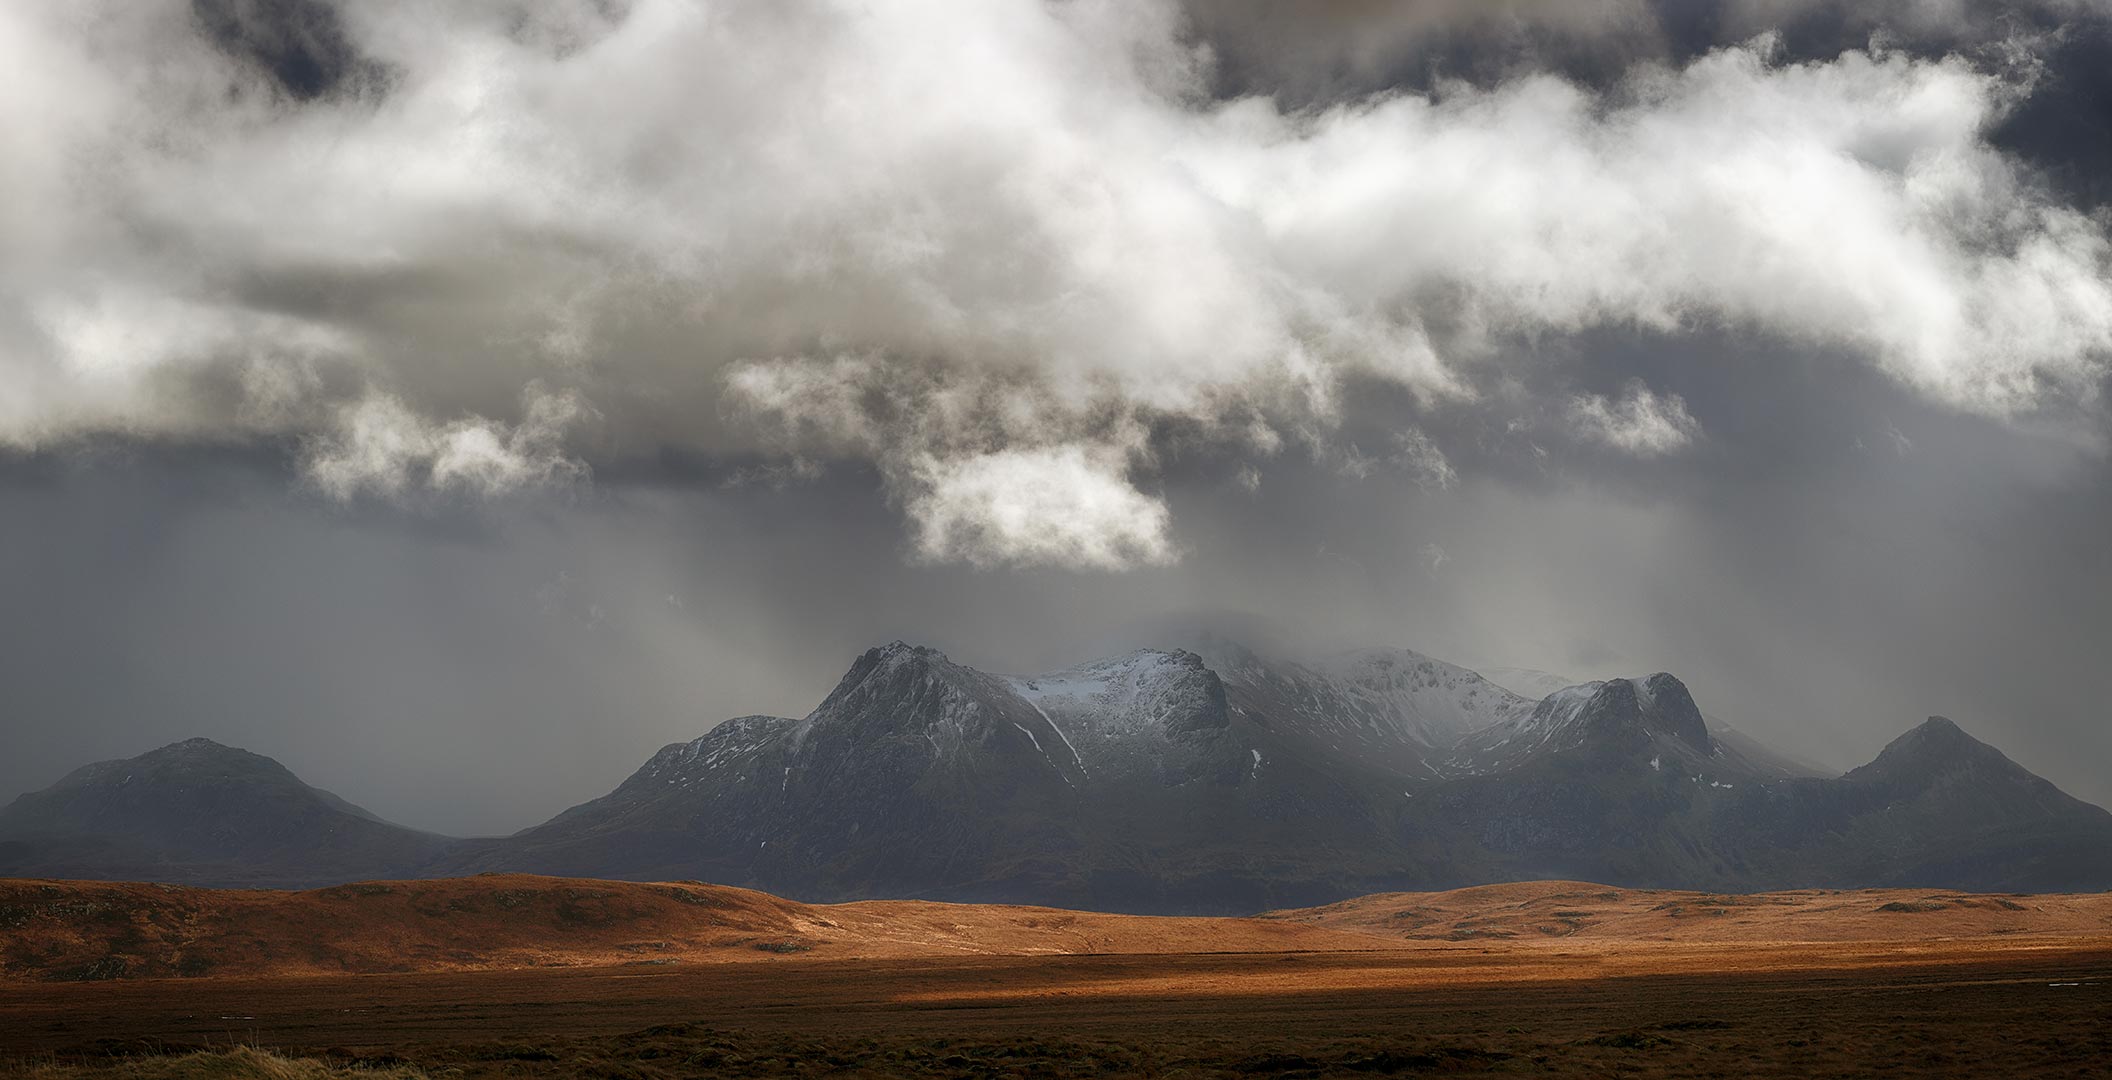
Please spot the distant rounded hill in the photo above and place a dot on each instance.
(202, 813)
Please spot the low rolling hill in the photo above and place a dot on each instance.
(74, 930)
(59, 930)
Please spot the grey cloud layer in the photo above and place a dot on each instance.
(993, 249)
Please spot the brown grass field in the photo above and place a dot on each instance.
(541, 977)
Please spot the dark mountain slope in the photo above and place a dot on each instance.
(1129, 784)
(1621, 782)
(914, 771)
(1937, 807)
(1195, 802)
(1614, 781)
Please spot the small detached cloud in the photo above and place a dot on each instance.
(1434, 555)
(1413, 451)
(1065, 506)
(1640, 422)
(379, 447)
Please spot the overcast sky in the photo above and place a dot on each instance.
(458, 401)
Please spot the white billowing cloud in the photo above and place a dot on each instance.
(973, 243)
(1058, 506)
(1640, 422)
(1852, 203)
(990, 474)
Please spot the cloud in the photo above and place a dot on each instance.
(1942, 22)
(1316, 51)
(1640, 423)
(1061, 506)
(1415, 452)
(380, 447)
(1433, 556)
(973, 245)
(1319, 48)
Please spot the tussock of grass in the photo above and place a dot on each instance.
(241, 1063)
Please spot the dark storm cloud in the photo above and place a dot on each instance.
(301, 44)
(1320, 50)
(2065, 127)
(1309, 54)
(1312, 53)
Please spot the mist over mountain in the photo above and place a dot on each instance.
(1224, 781)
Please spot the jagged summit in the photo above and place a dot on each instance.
(1641, 721)
(903, 688)
(1665, 706)
(899, 649)
(895, 664)
(705, 750)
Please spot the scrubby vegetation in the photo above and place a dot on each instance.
(240, 1063)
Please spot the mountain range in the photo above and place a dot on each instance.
(1219, 780)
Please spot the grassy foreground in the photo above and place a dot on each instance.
(241, 1063)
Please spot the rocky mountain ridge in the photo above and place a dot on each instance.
(1210, 781)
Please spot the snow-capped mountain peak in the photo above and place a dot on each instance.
(1655, 712)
